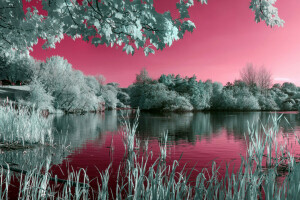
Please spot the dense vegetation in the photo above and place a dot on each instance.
(55, 85)
(130, 24)
(174, 93)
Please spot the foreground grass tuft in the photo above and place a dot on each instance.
(23, 126)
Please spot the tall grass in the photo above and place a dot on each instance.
(163, 147)
(21, 126)
(130, 141)
(264, 148)
(255, 178)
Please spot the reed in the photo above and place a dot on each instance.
(128, 132)
(24, 126)
(163, 147)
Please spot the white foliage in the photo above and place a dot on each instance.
(105, 22)
(266, 11)
(39, 97)
(16, 66)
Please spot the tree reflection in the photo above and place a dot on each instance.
(198, 125)
(77, 130)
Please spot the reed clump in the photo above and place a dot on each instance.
(24, 126)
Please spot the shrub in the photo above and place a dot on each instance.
(267, 102)
(178, 103)
(39, 97)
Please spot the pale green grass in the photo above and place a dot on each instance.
(24, 126)
(163, 146)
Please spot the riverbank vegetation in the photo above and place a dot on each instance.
(176, 93)
(56, 86)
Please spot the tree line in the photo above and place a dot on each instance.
(176, 93)
(55, 85)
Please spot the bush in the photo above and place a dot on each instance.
(39, 97)
(178, 103)
(267, 102)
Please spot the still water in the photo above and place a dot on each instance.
(94, 141)
(197, 138)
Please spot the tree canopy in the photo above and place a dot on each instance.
(174, 93)
(20, 30)
(132, 24)
(260, 77)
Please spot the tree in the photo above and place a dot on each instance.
(156, 96)
(264, 78)
(101, 79)
(15, 66)
(216, 94)
(71, 90)
(289, 87)
(92, 83)
(167, 80)
(265, 11)
(135, 23)
(123, 97)
(20, 31)
(143, 77)
(199, 94)
(248, 74)
(177, 103)
(132, 24)
(245, 100)
(267, 102)
(109, 94)
(225, 100)
(38, 95)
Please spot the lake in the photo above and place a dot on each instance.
(197, 139)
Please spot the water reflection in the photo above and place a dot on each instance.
(71, 131)
(192, 126)
(183, 128)
(81, 128)
(31, 158)
(187, 127)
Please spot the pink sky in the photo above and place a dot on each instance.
(225, 39)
